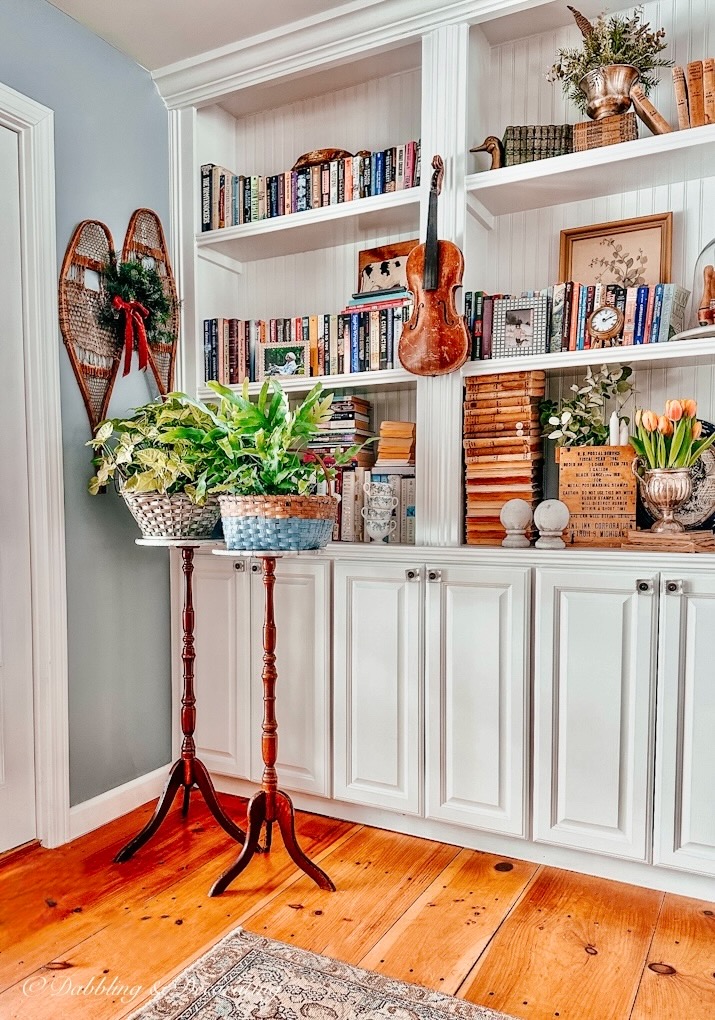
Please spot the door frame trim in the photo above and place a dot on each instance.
(34, 126)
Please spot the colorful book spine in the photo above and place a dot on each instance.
(640, 315)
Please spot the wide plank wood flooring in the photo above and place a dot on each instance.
(83, 937)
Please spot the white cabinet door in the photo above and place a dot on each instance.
(477, 663)
(593, 710)
(222, 635)
(685, 763)
(302, 614)
(377, 685)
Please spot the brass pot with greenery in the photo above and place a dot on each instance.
(164, 476)
(617, 52)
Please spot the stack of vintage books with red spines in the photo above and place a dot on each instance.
(503, 450)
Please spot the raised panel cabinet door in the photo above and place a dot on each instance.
(685, 743)
(593, 709)
(477, 676)
(302, 613)
(222, 638)
(377, 703)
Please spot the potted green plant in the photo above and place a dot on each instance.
(580, 420)
(164, 476)
(269, 493)
(617, 51)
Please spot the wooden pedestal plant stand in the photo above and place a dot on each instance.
(269, 805)
(188, 770)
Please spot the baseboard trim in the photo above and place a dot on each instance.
(634, 872)
(91, 814)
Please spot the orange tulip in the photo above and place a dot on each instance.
(649, 421)
(665, 426)
(697, 429)
(673, 410)
(690, 407)
(639, 415)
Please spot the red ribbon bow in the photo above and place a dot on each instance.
(134, 330)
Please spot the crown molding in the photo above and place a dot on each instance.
(301, 47)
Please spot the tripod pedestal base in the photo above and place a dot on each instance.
(283, 815)
(183, 775)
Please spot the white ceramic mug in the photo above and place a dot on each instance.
(376, 513)
(377, 489)
(382, 502)
(379, 530)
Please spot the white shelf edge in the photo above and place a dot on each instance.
(487, 186)
(673, 351)
(358, 207)
(388, 378)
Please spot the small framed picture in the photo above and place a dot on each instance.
(519, 327)
(630, 252)
(384, 267)
(283, 360)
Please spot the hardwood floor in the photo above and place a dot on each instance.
(83, 937)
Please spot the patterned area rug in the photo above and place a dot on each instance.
(247, 977)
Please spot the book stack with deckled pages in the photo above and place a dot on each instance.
(503, 450)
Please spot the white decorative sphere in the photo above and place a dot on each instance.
(516, 515)
(551, 516)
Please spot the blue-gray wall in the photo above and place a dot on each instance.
(111, 151)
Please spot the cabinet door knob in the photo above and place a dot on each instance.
(240, 566)
(644, 586)
(434, 575)
(256, 568)
(674, 586)
(412, 573)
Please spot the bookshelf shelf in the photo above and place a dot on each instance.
(676, 353)
(388, 379)
(344, 223)
(660, 159)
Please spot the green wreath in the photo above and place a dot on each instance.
(134, 281)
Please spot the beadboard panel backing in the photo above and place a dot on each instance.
(372, 115)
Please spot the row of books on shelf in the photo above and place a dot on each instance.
(556, 318)
(360, 338)
(528, 142)
(229, 199)
(694, 87)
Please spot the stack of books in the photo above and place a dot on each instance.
(695, 93)
(349, 425)
(396, 445)
(502, 449)
(229, 199)
(525, 143)
(592, 134)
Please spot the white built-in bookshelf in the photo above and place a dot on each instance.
(449, 76)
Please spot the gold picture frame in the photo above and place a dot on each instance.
(283, 360)
(626, 252)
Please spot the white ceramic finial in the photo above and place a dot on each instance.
(516, 516)
(551, 517)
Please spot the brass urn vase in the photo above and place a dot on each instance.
(665, 490)
(608, 89)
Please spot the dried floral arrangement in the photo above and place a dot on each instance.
(614, 39)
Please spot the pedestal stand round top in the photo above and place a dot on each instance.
(273, 554)
(178, 543)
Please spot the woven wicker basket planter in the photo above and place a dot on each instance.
(277, 522)
(162, 516)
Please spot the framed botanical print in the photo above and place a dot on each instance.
(629, 253)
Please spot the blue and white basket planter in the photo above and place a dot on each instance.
(283, 523)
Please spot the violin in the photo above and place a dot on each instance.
(435, 341)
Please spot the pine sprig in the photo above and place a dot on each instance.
(134, 281)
